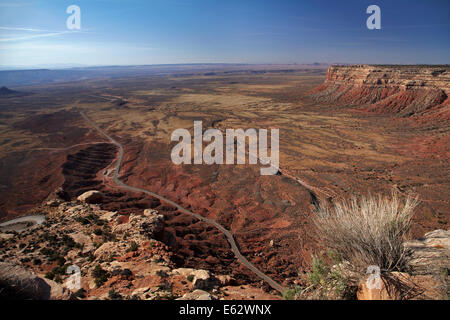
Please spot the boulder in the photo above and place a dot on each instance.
(57, 291)
(92, 196)
(203, 280)
(372, 292)
(143, 293)
(109, 216)
(403, 286)
(150, 212)
(18, 283)
(183, 271)
(226, 280)
(153, 225)
(197, 295)
(430, 254)
(430, 258)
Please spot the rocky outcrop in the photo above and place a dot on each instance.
(150, 225)
(430, 254)
(119, 257)
(92, 196)
(154, 224)
(402, 90)
(197, 295)
(203, 280)
(428, 277)
(110, 249)
(402, 286)
(18, 283)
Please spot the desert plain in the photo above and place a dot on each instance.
(328, 150)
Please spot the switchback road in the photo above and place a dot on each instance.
(226, 233)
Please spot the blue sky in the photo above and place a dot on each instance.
(33, 32)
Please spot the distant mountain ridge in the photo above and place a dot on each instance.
(6, 91)
(45, 76)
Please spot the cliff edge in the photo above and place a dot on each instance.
(406, 91)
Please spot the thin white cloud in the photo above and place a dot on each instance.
(26, 33)
(43, 35)
(67, 47)
(22, 29)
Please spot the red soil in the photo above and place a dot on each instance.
(27, 178)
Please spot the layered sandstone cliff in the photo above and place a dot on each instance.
(402, 90)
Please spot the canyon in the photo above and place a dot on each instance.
(345, 131)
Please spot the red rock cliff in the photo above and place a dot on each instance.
(402, 90)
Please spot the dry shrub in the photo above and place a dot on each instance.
(369, 230)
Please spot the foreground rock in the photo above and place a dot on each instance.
(428, 278)
(119, 257)
(19, 283)
(430, 254)
(403, 286)
(197, 295)
(204, 280)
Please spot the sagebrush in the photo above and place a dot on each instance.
(369, 230)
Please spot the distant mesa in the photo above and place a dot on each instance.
(417, 91)
(6, 92)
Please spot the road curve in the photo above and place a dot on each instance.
(34, 219)
(229, 236)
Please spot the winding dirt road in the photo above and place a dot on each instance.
(228, 234)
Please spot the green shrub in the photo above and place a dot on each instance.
(133, 246)
(57, 278)
(47, 252)
(292, 293)
(190, 278)
(61, 260)
(113, 295)
(60, 270)
(327, 280)
(83, 221)
(50, 275)
(320, 271)
(100, 275)
(108, 236)
(68, 241)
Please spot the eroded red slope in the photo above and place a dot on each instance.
(406, 91)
